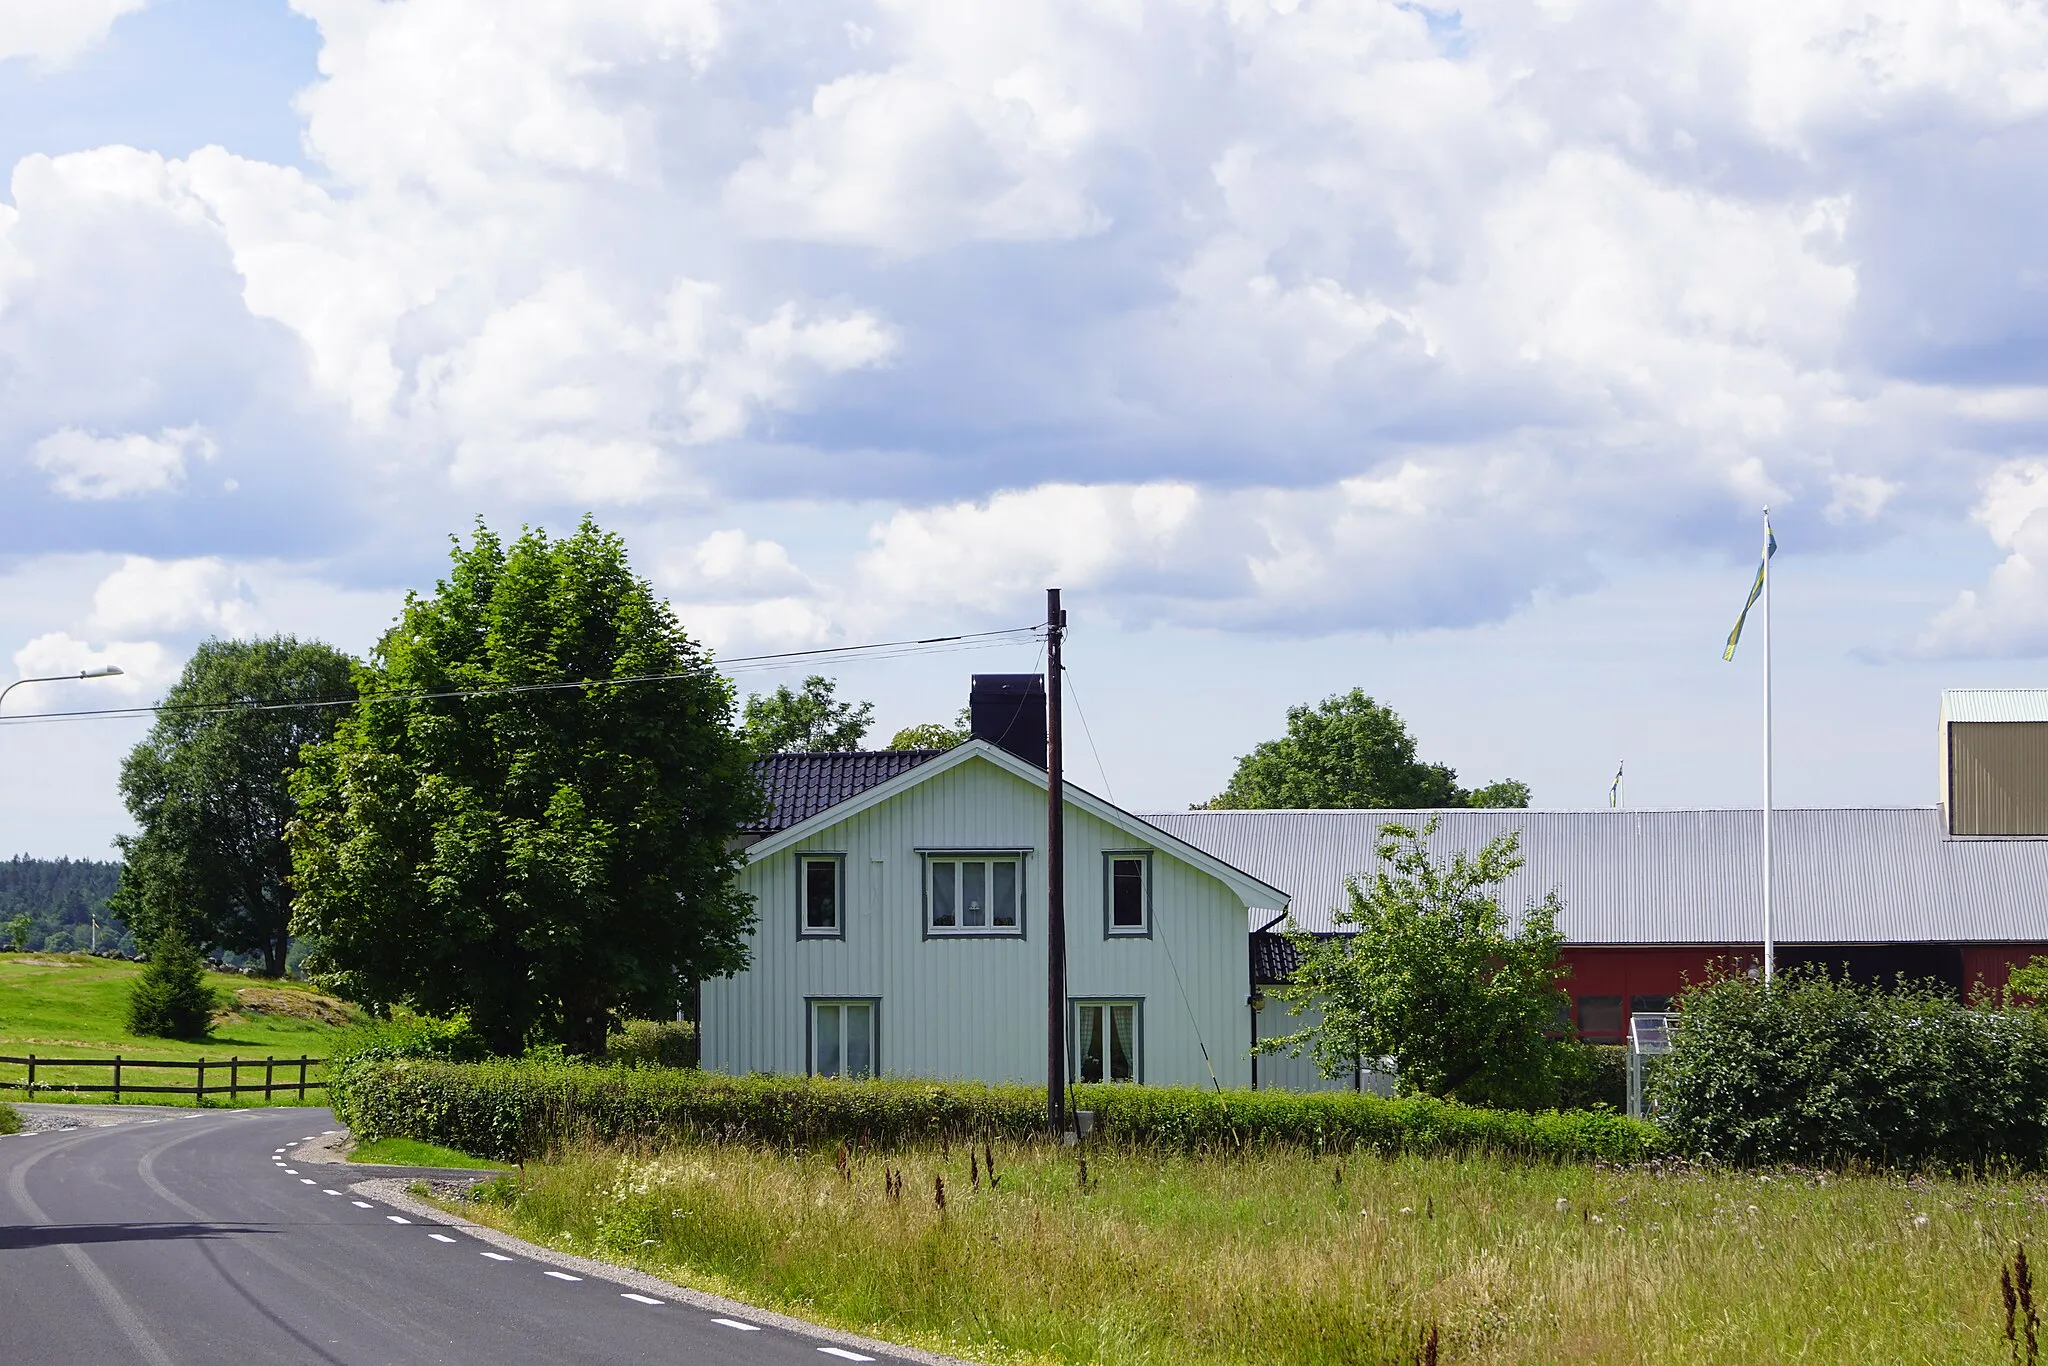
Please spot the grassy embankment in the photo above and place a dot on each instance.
(410, 1152)
(1165, 1261)
(72, 1005)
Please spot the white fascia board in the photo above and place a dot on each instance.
(1248, 888)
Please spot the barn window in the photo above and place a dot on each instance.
(1600, 1017)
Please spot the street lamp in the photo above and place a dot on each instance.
(103, 671)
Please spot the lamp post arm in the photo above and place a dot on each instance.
(104, 671)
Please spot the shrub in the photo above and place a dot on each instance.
(170, 998)
(10, 1119)
(518, 1109)
(654, 1043)
(1813, 1070)
(1592, 1075)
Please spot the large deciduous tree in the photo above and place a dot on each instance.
(210, 793)
(1427, 971)
(811, 720)
(545, 858)
(1349, 751)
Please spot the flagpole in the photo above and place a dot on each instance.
(1770, 939)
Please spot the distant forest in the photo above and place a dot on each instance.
(60, 897)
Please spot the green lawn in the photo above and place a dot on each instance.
(71, 1005)
(410, 1152)
(1260, 1258)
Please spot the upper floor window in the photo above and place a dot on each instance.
(968, 894)
(1127, 894)
(820, 911)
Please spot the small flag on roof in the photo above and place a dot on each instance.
(1756, 589)
(1614, 792)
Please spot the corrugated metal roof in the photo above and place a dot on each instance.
(1994, 704)
(1858, 876)
(799, 786)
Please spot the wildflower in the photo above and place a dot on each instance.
(1563, 1204)
(1919, 1221)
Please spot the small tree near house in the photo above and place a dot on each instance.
(1432, 975)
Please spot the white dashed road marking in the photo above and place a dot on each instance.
(329, 1192)
(743, 1327)
(561, 1275)
(843, 1354)
(398, 1218)
(291, 1171)
(305, 1180)
(638, 1299)
(496, 1256)
(362, 1204)
(440, 1237)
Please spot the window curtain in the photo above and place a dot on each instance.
(1123, 1042)
(1088, 1043)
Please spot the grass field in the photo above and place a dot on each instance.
(410, 1152)
(71, 1005)
(1286, 1257)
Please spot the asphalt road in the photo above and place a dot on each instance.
(191, 1239)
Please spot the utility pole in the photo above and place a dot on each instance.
(1055, 877)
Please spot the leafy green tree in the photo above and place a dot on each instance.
(811, 721)
(20, 928)
(170, 998)
(547, 860)
(1350, 752)
(933, 734)
(1431, 975)
(211, 793)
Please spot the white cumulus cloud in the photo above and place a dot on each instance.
(83, 465)
(55, 31)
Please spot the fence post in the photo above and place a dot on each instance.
(31, 1076)
(199, 1086)
(268, 1063)
(234, 1077)
(302, 1078)
(117, 1079)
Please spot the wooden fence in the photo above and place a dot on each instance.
(271, 1068)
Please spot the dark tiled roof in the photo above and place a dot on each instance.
(1275, 960)
(799, 786)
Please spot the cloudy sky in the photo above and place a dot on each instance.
(1450, 352)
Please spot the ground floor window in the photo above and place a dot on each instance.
(843, 1038)
(1106, 1040)
(1600, 1017)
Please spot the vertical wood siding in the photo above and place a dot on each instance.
(975, 1008)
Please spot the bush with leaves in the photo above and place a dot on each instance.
(170, 999)
(1816, 1070)
(526, 1108)
(653, 1043)
(1432, 974)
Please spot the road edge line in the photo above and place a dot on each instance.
(392, 1191)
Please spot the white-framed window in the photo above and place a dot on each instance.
(1106, 1040)
(820, 896)
(973, 893)
(1127, 893)
(843, 1038)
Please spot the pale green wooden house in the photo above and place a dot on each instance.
(900, 902)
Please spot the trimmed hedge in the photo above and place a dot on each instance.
(515, 1109)
(1814, 1070)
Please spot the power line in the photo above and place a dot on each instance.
(888, 649)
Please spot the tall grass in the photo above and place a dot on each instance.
(1282, 1256)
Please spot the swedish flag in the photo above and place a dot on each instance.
(1614, 790)
(1756, 589)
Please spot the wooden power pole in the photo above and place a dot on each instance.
(1055, 877)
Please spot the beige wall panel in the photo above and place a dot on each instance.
(1998, 778)
(975, 1008)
